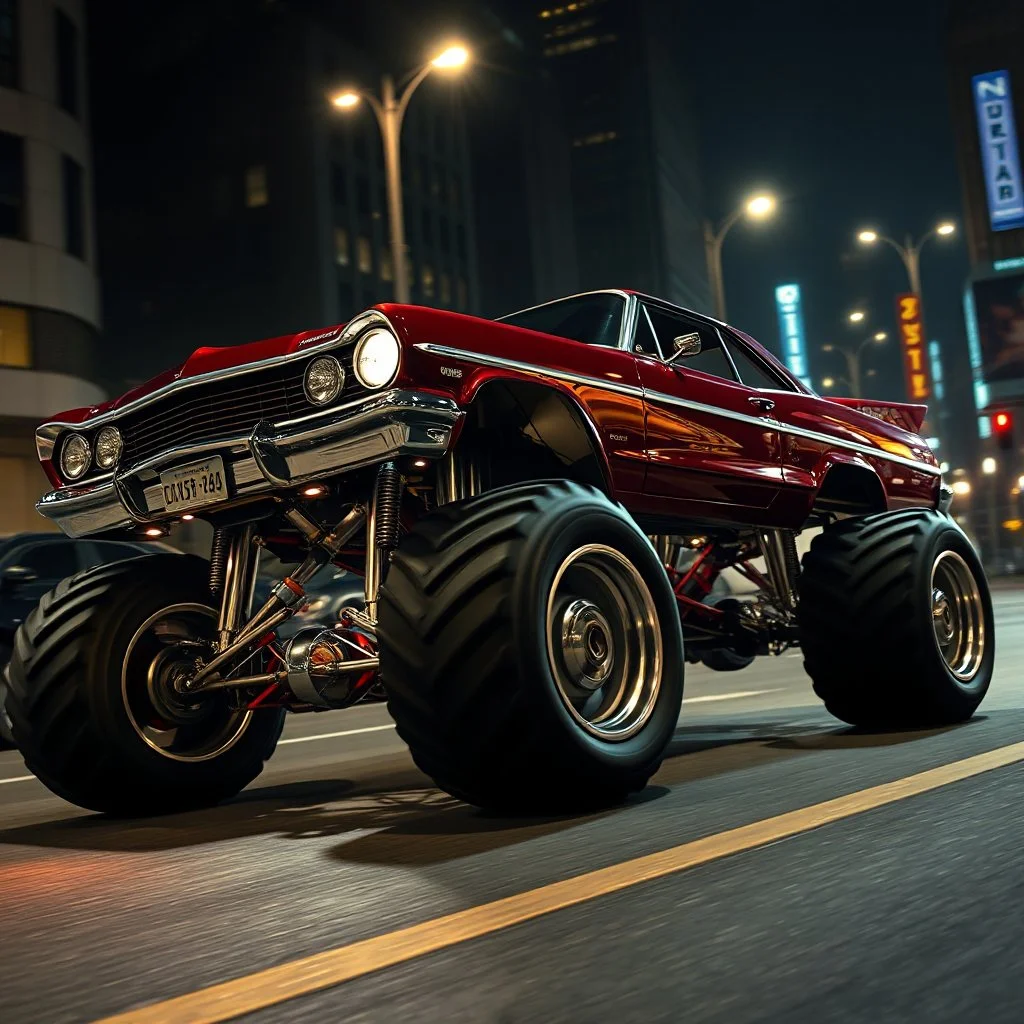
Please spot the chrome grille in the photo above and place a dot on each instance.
(225, 408)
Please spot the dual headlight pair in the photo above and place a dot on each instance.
(76, 455)
(374, 362)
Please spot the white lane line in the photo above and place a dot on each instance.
(708, 697)
(17, 778)
(380, 728)
(335, 735)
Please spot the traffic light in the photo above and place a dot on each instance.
(1002, 427)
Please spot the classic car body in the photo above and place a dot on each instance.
(746, 445)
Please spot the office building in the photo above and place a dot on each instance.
(49, 295)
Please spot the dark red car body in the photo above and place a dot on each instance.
(672, 441)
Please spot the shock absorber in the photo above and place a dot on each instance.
(381, 532)
(792, 559)
(218, 562)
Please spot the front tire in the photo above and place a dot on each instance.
(91, 701)
(493, 705)
(896, 621)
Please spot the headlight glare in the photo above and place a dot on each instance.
(324, 379)
(376, 358)
(108, 447)
(75, 456)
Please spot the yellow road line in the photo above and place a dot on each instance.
(335, 966)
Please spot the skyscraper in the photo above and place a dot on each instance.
(636, 181)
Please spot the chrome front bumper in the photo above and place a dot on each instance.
(274, 456)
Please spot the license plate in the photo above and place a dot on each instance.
(200, 483)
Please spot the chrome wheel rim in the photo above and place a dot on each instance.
(958, 616)
(604, 642)
(162, 652)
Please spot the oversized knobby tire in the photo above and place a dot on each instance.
(81, 694)
(6, 736)
(896, 621)
(491, 703)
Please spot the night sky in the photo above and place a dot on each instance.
(843, 110)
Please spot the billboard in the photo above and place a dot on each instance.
(998, 311)
(791, 328)
(993, 105)
(915, 352)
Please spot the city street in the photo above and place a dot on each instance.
(897, 904)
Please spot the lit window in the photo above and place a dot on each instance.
(428, 280)
(341, 248)
(387, 269)
(461, 294)
(365, 255)
(446, 290)
(15, 349)
(595, 139)
(570, 28)
(256, 186)
(583, 43)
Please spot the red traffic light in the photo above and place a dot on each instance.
(1002, 421)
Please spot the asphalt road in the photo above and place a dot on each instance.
(779, 868)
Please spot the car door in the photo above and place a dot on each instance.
(712, 443)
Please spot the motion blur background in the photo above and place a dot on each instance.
(174, 175)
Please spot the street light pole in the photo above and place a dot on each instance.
(758, 207)
(853, 359)
(910, 251)
(390, 113)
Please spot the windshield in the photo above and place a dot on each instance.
(594, 319)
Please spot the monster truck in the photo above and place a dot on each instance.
(539, 505)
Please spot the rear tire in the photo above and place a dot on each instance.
(896, 621)
(493, 705)
(81, 687)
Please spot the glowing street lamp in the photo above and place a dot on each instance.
(852, 353)
(961, 488)
(390, 112)
(856, 316)
(760, 206)
(988, 465)
(910, 251)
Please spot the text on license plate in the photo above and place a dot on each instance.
(197, 484)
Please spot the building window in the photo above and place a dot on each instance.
(364, 252)
(9, 44)
(74, 208)
(460, 241)
(346, 299)
(256, 186)
(570, 28)
(387, 269)
(461, 294)
(15, 348)
(595, 139)
(583, 43)
(12, 186)
(454, 192)
(428, 229)
(339, 185)
(341, 247)
(427, 280)
(67, 63)
(446, 289)
(363, 197)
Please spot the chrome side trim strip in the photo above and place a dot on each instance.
(567, 375)
(659, 396)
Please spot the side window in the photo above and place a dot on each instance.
(49, 560)
(712, 357)
(753, 372)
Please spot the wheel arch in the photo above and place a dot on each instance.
(849, 485)
(530, 416)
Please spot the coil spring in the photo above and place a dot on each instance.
(388, 506)
(218, 562)
(792, 557)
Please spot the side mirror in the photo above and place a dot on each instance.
(15, 575)
(684, 346)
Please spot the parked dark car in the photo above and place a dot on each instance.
(33, 563)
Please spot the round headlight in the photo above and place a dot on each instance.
(75, 457)
(108, 447)
(376, 358)
(324, 378)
